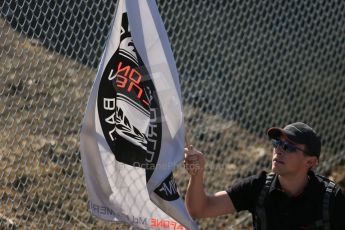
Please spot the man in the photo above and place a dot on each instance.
(291, 197)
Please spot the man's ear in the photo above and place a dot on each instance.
(312, 161)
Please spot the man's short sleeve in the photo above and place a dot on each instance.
(244, 194)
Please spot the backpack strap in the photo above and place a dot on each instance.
(326, 204)
(260, 219)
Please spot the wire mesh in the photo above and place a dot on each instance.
(244, 66)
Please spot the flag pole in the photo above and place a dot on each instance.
(186, 139)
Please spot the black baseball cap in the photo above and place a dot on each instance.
(299, 133)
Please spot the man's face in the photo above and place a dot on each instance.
(288, 160)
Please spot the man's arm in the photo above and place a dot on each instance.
(198, 203)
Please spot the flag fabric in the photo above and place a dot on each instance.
(132, 134)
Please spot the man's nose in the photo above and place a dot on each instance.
(279, 150)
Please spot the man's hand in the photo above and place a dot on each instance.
(194, 161)
(198, 203)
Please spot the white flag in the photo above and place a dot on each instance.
(132, 134)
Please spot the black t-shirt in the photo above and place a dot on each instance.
(284, 212)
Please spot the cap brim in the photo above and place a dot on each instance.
(275, 133)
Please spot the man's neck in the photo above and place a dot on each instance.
(293, 185)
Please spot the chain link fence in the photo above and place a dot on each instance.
(244, 66)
